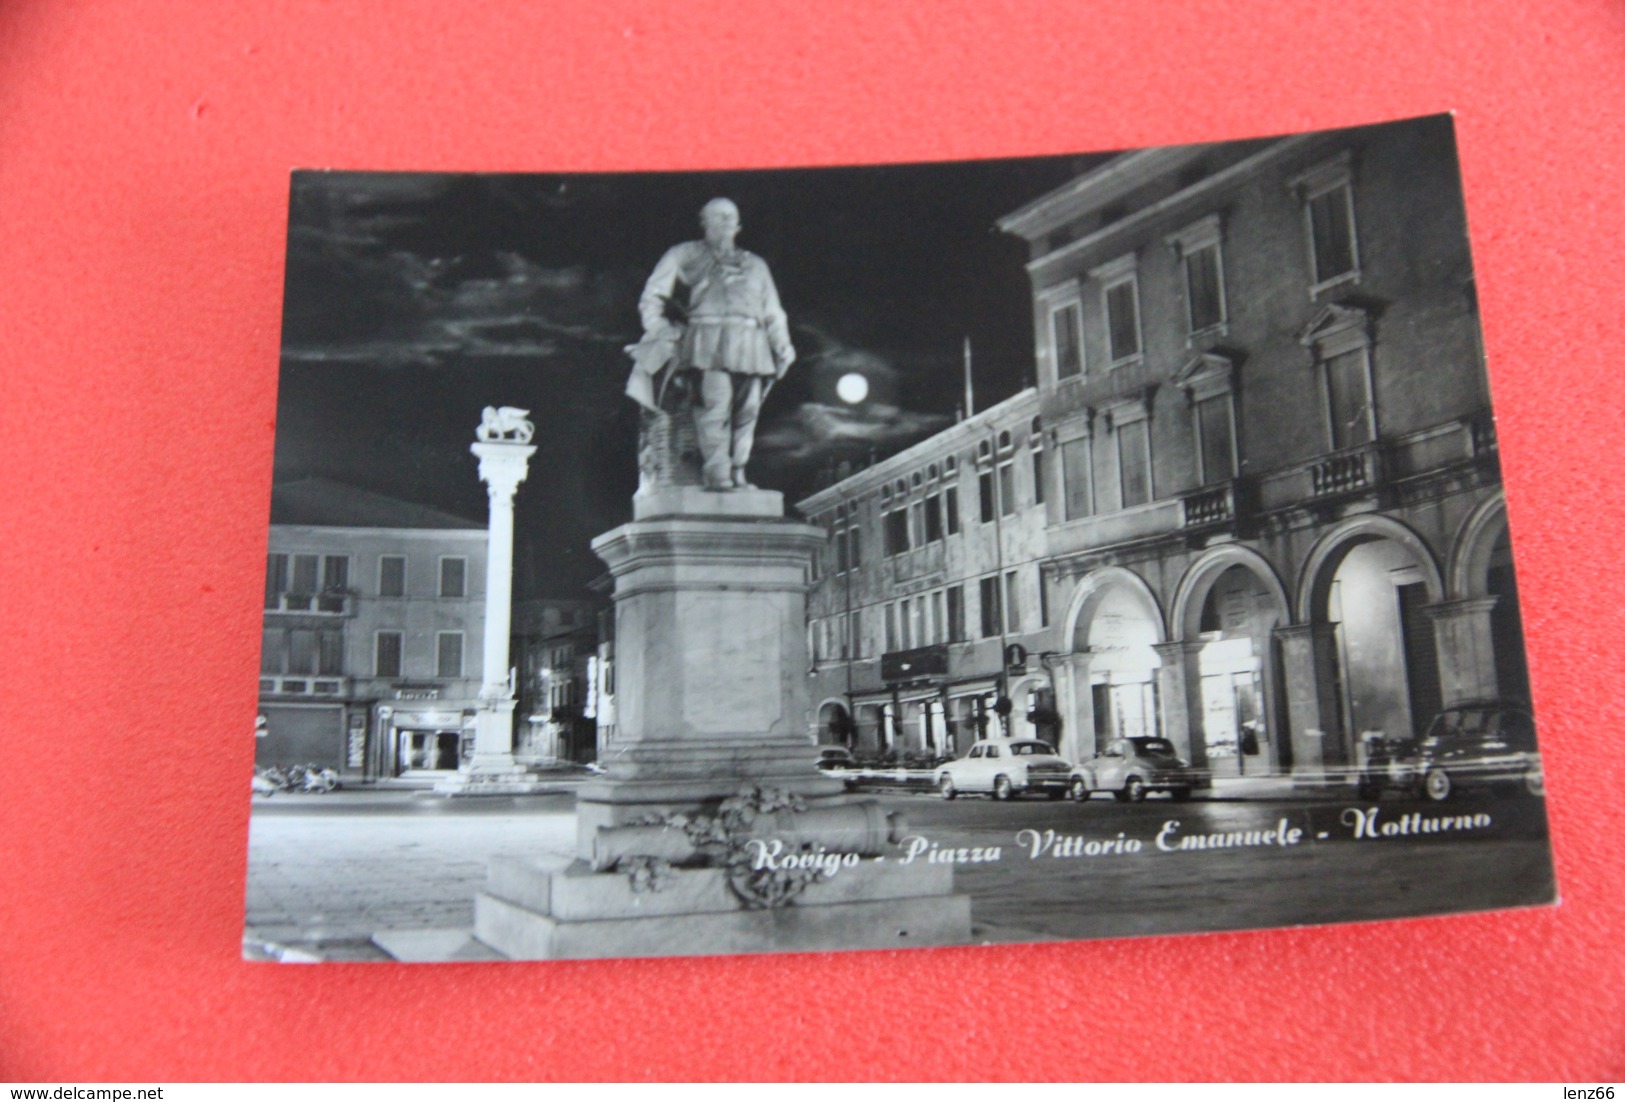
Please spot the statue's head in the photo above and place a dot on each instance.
(720, 220)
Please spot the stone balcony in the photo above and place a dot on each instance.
(305, 685)
(1224, 507)
(331, 603)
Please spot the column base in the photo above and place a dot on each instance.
(492, 775)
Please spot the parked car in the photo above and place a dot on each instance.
(1479, 744)
(1131, 767)
(835, 758)
(1005, 768)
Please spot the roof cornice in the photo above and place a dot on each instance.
(871, 478)
(1138, 220)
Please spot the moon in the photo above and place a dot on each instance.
(852, 388)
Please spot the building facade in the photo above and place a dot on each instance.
(374, 616)
(554, 648)
(1268, 518)
(933, 573)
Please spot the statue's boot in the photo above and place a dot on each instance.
(740, 482)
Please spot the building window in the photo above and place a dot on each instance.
(1134, 463)
(276, 580)
(1208, 384)
(1066, 326)
(1132, 427)
(1120, 298)
(984, 484)
(449, 654)
(304, 575)
(307, 582)
(1348, 399)
(1339, 340)
(1216, 439)
(1202, 262)
(1327, 191)
(1077, 474)
(917, 511)
(1038, 471)
(843, 642)
(992, 615)
(891, 627)
(1043, 601)
(896, 531)
(933, 518)
(453, 576)
(916, 621)
(956, 614)
(858, 649)
(1007, 487)
(392, 575)
(950, 506)
(939, 619)
(386, 660)
(1012, 606)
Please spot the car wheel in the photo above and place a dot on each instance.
(1534, 781)
(1180, 795)
(1436, 785)
(946, 787)
(1001, 787)
(1080, 789)
(1134, 790)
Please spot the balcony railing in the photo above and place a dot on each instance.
(317, 685)
(1357, 470)
(1210, 508)
(333, 603)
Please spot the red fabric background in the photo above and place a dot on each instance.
(144, 159)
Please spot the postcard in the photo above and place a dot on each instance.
(887, 556)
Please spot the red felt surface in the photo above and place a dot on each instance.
(144, 153)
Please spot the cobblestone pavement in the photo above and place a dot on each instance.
(325, 877)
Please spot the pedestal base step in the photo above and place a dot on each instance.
(552, 909)
(522, 934)
(518, 783)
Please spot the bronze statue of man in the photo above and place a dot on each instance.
(731, 331)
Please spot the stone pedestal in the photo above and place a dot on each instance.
(711, 699)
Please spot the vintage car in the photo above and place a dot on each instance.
(1131, 767)
(1005, 768)
(835, 758)
(1479, 745)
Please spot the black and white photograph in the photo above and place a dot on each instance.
(887, 556)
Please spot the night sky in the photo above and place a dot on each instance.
(414, 300)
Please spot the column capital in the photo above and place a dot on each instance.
(503, 467)
(1296, 632)
(1470, 606)
(1178, 648)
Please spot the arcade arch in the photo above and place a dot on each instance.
(1366, 594)
(1115, 627)
(1225, 614)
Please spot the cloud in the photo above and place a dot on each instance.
(817, 431)
(426, 310)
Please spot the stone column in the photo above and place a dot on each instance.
(1077, 707)
(1462, 635)
(491, 768)
(1309, 664)
(1179, 689)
